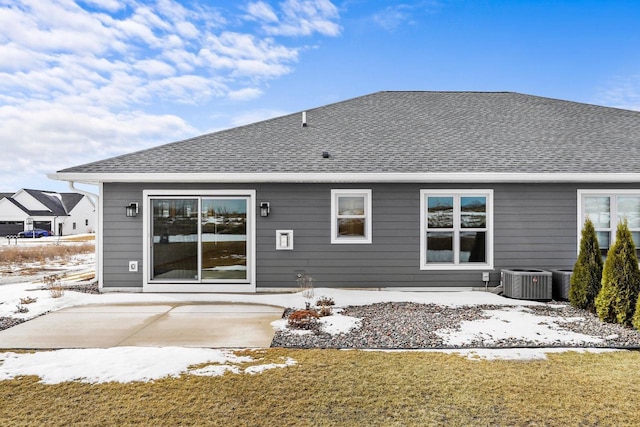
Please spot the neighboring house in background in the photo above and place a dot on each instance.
(389, 190)
(60, 213)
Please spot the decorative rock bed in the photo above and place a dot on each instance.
(421, 326)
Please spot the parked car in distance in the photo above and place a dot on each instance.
(38, 232)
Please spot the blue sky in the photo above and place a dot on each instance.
(85, 80)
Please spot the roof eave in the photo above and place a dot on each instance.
(243, 178)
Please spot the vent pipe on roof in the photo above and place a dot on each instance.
(304, 119)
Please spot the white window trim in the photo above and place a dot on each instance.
(335, 239)
(424, 193)
(613, 219)
(151, 286)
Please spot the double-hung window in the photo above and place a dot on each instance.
(456, 229)
(606, 208)
(350, 216)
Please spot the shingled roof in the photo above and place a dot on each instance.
(421, 133)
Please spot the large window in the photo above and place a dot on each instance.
(350, 216)
(606, 208)
(200, 239)
(456, 229)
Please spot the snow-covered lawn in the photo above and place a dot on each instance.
(127, 364)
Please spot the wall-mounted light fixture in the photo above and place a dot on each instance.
(132, 209)
(264, 209)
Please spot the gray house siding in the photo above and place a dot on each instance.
(535, 225)
(121, 237)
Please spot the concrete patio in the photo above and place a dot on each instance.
(149, 325)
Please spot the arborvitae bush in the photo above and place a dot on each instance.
(618, 296)
(636, 316)
(587, 271)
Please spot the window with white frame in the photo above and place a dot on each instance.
(606, 208)
(350, 216)
(456, 229)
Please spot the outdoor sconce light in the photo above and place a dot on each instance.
(264, 209)
(132, 209)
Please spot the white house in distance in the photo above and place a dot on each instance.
(60, 213)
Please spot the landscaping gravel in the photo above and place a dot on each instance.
(8, 322)
(396, 325)
(90, 288)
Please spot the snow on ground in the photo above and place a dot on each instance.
(10, 296)
(522, 354)
(334, 324)
(258, 369)
(126, 364)
(338, 324)
(512, 322)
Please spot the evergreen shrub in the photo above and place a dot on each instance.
(587, 271)
(636, 316)
(618, 296)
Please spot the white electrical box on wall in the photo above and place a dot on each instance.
(284, 240)
(133, 266)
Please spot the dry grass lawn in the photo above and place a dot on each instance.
(42, 253)
(353, 388)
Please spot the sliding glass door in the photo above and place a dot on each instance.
(175, 239)
(199, 239)
(224, 239)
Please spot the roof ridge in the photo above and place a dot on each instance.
(448, 91)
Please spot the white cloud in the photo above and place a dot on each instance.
(621, 92)
(305, 17)
(246, 46)
(391, 18)
(94, 78)
(245, 55)
(137, 28)
(45, 26)
(48, 136)
(109, 5)
(15, 58)
(187, 89)
(396, 15)
(245, 94)
(187, 29)
(261, 11)
(154, 67)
